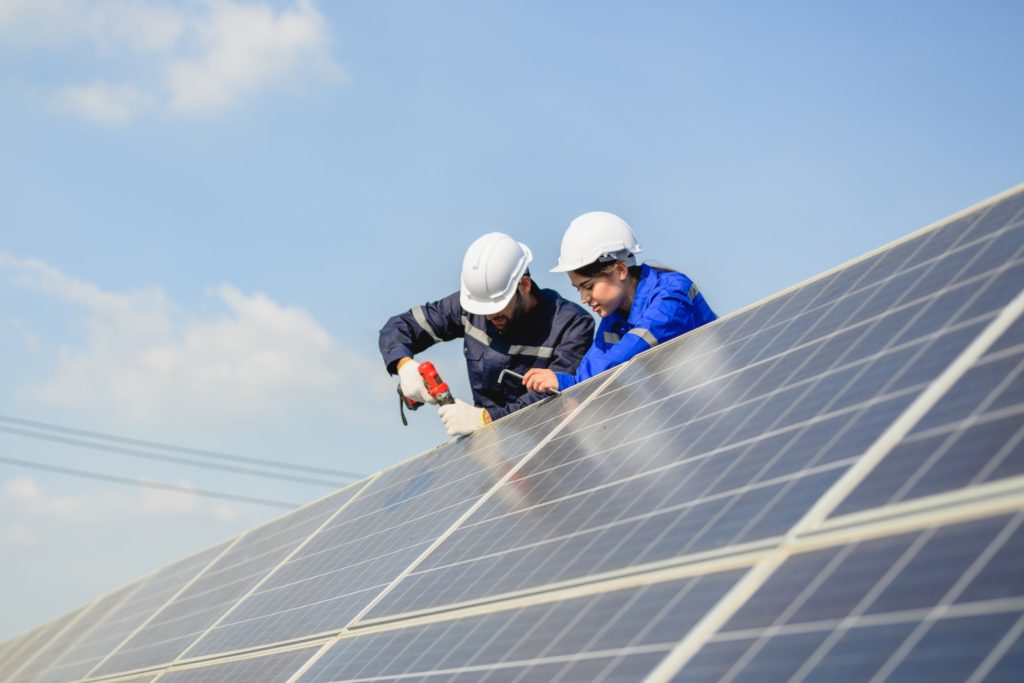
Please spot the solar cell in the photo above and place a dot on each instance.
(272, 668)
(227, 579)
(610, 635)
(942, 604)
(401, 513)
(725, 438)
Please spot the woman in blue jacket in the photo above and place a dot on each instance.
(640, 305)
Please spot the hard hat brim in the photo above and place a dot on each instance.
(475, 307)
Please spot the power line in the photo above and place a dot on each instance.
(179, 449)
(168, 458)
(146, 484)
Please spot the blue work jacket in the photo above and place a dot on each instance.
(554, 334)
(666, 304)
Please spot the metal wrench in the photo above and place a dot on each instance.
(506, 371)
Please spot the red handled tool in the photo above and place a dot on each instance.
(436, 387)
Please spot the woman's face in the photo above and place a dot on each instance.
(605, 292)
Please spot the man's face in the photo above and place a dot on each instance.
(505, 317)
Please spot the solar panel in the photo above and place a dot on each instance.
(225, 581)
(278, 666)
(942, 604)
(27, 650)
(396, 519)
(972, 436)
(828, 485)
(609, 635)
(124, 617)
(725, 438)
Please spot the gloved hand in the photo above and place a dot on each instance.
(460, 418)
(412, 383)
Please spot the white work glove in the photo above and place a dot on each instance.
(412, 383)
(460, 418)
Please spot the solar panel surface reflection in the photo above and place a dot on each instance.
(728, 435)
(385, 529)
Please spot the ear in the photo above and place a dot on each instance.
(524, 284)
(620, 271)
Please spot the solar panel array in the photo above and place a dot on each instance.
(826, 486)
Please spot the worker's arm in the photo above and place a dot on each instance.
(570, 349)
(406, 334)
(669, 314)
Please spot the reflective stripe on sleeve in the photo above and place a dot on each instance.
(475, 332)
(611, 338)
(420, 317)
(694, 291)
(538, 351)
(645, 335)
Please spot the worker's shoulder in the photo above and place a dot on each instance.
(562, 306)
(665, 280)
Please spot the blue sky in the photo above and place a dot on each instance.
(210, 207)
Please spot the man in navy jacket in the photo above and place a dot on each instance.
(506, 322)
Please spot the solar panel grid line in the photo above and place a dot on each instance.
(905, 616)
(897, 657)
(997, 653)
(508, 476)
(981, 418)
(987, 500)
(255, 667)
(817, 514)
(514, 664)
(361, 487)
(188, 584)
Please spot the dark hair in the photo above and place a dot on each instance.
(598, 267)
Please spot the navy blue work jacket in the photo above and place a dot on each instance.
(554, 334)
(666, 304)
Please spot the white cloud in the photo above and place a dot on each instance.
(246, 48)
(18, 534)
(182, 59)
(104, 103)
(22, 489)
(146, 362)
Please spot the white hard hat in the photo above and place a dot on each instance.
(597, 235)
(491, 270)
